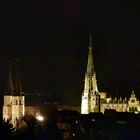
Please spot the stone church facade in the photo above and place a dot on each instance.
(131, 104)
(94, 101)
(14, 99)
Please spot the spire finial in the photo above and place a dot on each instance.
(132, 90)
(90, 44)
(91, 40)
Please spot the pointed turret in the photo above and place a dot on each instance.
(17, 82)
(120, 100)
(14, 100)
(125, 100)
(132, 94)
(10, 88)
(90, 96)
(115, 99)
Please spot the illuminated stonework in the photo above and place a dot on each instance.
(121, 105)
(93, 101)
(90, 96)
(14, 101)
(14, 108)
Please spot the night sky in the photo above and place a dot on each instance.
(51, 41)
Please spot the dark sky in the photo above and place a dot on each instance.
(51, 40)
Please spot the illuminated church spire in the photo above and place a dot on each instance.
(18, 87)
(14, 100)
(90, 96)
(90, 67)
(10, 87)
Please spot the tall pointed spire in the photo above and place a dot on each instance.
(14, 100)
(10, 87)
(18, 88)
(90, 97)
(90, 67)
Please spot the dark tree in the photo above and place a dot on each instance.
(6, 130)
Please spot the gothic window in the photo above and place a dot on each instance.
(16, 102)
(20, 102)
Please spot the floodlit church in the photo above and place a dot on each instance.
(92, 100)
(95, 101)
(14, 100)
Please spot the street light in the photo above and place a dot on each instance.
(40, 118)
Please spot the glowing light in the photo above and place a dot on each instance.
(93, 120)
(73, 134)
(40, 118)
(136, 112)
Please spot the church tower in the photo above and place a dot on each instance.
(90, 97)
(14, 100)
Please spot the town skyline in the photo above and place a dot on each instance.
(52, 46)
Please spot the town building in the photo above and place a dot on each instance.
(95, 101)
(14, 100)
